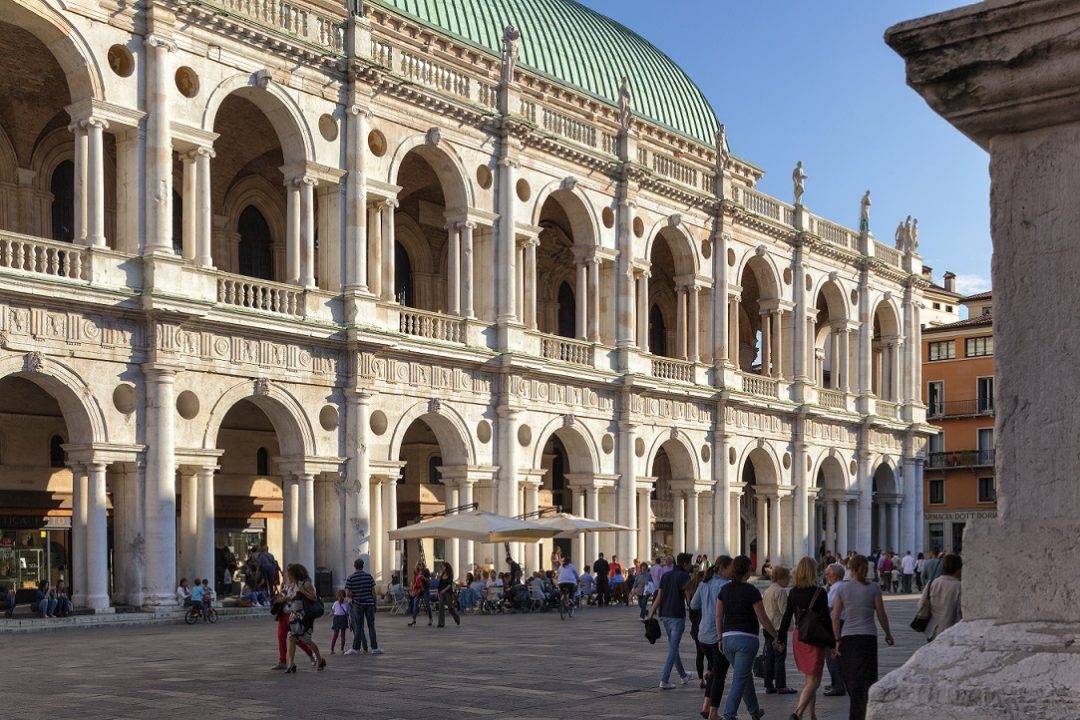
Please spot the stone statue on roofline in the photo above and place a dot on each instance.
(511, 40)
(913, 244)
(798, 179)
(626, 104)
(721, 149)
(864, 213)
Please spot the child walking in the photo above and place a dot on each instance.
(341, 621)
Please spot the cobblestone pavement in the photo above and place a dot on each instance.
(527, 667)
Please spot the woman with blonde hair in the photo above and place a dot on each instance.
(806, 596)
(859, 600)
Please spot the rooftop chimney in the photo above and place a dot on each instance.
(950, 281)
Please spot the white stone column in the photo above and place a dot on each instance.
(680, 322)
(723, 518)
(467, 270)
(95, 191)
(721, 313)
(356, 213)
(530, 283)
(830, 524)
(883, 526)
(467, 547)
(643, 311)
(694, 329)
(592, 507)
(290, 494)
(519, 282)
(292, 232)
(453, 270)
(305, 519)
(678, 527)
(762, 530)
(389, 289)
(894, 527)
(693, 515)
(626, 493)
(189, 196)
(766, 344)
(204, 211)
(81, 162)
(581, 298)
(378, 538)
(374, 242)
(579, 549)
(160, 94)
(205, 546)
(532, 504)
(307, 232)
(390, 508)
(188, 532)
(897, 371)
(594, 299)
(358, 480)
(453, 547)
(777, 325)
(77, 577)
(774, 531)
(97, 547)
(802, 542)
(845, 359)
(160, 487)
(644, 531)
(842, 527)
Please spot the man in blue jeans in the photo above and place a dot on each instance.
(360, 587)
(670, 604)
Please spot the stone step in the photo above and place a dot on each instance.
(125, 617)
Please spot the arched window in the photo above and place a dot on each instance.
(657, 332)
(434, 476)
(567, 312)
(256, 257)
(57, 457)
(262, 462)
(403, 285)
(62, 186)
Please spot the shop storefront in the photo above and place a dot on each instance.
(32, 549)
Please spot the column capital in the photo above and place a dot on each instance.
(204, 151)
(160, 371)
(160, 42)
(357, 111)
(390, 203)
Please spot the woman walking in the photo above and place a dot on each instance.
(944, 597)
(739, 611)
(419, 593)
(641, 585)
(705, 598)
(806, 596)
(446, 595)
(301, 621)
(279, 608)
(859, 601)
(697, 577)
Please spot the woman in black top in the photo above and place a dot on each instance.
(446, 595)
(738, 613)
(804, 595)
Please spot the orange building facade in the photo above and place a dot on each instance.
(958, 389)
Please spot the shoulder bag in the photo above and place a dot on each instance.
(923, 612)
(313, 609)
(813, 630)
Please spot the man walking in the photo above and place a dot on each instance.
(360, 587)
(670, 603)
(834, 577)
(931, 568)
(603, 587)
(907, 571)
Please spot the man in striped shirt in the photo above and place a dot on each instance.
(360, 587)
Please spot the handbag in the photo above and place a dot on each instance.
(759, 666)
(652, 630)
(313, 609)
(813, 630)
(921, 620)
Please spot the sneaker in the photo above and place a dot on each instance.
(665, 685)
(758, 715)
(688, 677)
(352, 651)
(770, 691)
(376, 651)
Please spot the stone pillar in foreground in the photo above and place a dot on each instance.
(1006, 73)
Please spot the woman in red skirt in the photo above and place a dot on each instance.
(806, 596)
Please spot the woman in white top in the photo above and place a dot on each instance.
(183, 595)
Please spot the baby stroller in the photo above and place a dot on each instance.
(492, 602)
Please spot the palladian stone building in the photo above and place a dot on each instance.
(300, 272)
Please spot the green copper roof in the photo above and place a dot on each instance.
(578, 47)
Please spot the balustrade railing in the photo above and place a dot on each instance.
(567, 350)
(886, 409)
(427, 72)
(890, 255)
(663, 509)
(254, 294)
(528, 109)
(835, 234)
(960, 408)
(609, 143)
(832, 399)
(960, 458)
(669, 369)
(672, 169)
(761, 386)
(488, 94)
(568, 127)
(42, 257)
(382, 52)
(289, 18)
(433, 326)
(758, 203)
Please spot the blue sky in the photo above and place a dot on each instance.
(814, 81)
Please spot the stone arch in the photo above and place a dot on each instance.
(260, 193)
(765, 271)
(78, 403)
(294, 135)
(681, 243)
(411, 236)
(9, 162)
(447, 165)
(884, 478)
(581, 450)
(295, 433)
(764, 461)
(584, 224)
(831, 473)
(886, 316)
(71, 50)
(680, 452)
(449, 427)
(832, 293)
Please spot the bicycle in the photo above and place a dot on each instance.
(194, 614)
(567, 604)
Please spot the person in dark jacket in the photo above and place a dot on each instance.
(807, 596)
(603, 587)
(446, 595)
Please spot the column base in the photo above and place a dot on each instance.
(151, 600)
(100, 605)
(983, 670)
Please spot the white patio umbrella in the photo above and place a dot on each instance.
(570, 526)
(476, 525)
